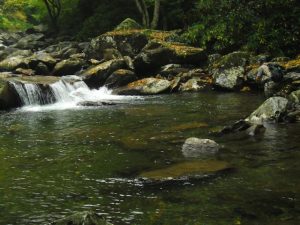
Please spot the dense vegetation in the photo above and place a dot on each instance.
(217, 25)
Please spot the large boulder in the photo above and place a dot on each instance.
(157, 54)
(128, 24)
(120, 78)
(68, 67)
(229, 79)
(273, 109)
(81, 218)
(97, 75)
(127, 42)
(199, 148)
(234, 59)
(147, 86)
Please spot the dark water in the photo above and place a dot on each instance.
(54, 163)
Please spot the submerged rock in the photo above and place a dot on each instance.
(82, 218)
(96, 104)
(186, 170)
(273, 109)
(197, 148)
(147, 86)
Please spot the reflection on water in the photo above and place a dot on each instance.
(53, 163)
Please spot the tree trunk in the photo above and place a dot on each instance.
(142, 8)
(54, 10)
(155, 19)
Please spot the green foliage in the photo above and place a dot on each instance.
(261, 26)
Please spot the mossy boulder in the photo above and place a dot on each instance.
(128, 24)
(186, 170)
(97, 75)
(234, 59)
(158, 53)
(147, 86)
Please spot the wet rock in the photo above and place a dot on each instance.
(229, 79)
(273, 109)
(68, 67)
(197, 148)
(256, 129)
(97, 75)
(238, 126)
(147, 86)
(186, 170)
(128, 24)
(9, 97)
(82, 218)
(120, 78)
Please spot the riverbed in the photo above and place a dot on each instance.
(57, 162)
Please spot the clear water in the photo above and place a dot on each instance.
(56, 162)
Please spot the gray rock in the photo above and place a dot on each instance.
(229, 79)
(271, 110)
(197, 148)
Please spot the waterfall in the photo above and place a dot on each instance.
(67, 93)
(30, 94)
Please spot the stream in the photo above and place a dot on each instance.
(57, 160)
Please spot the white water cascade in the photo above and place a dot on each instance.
(65, 94)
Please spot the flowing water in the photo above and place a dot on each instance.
(55, 162)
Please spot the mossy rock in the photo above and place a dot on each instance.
(234, 59)
(186, 170)
(128, 24)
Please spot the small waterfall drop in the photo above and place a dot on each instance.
(67, 93)
(30, 94)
